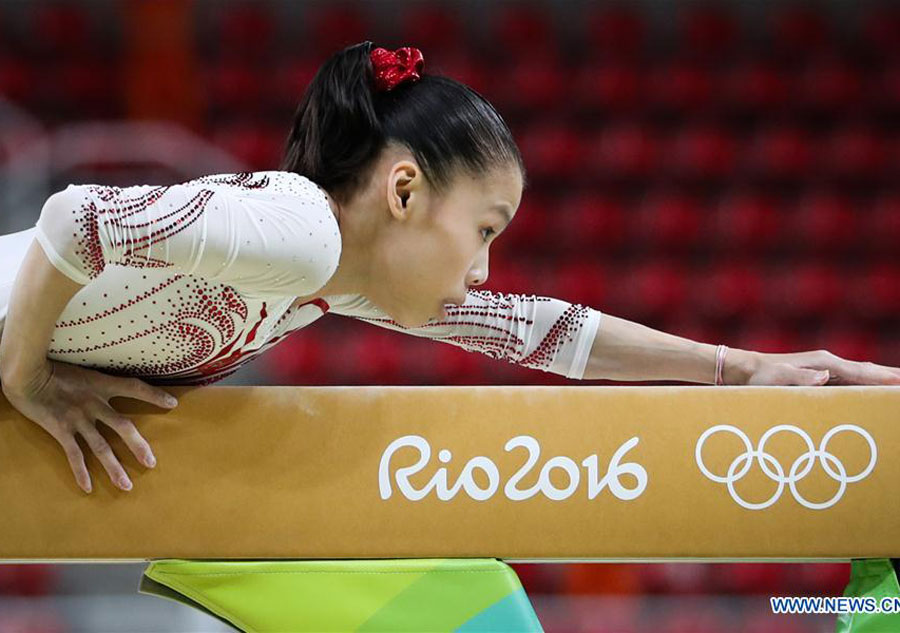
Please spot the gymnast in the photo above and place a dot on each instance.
(393, 186)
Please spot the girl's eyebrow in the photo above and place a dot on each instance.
(504, 210)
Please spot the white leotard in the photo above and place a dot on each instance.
(185, 283)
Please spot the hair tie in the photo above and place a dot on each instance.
(394, 67)
(720, 364)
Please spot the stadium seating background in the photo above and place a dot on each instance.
(723, 171)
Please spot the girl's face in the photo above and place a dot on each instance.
(435, 248)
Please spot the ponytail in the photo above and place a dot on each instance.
(343, 123)
(336, 131)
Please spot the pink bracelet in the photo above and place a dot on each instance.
(720, 364)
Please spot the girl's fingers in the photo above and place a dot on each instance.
(880, 375)
(128, 432)
(76, 460)
(848, 372)
(866, 373)
(140, 390)
(104, 453)
(893, 371)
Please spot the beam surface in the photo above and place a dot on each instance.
(519, 473)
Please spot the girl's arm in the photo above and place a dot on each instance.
(538, 332)
(64, 399)
(277, 238)
(559, 337)
(39, 295)
(625, 350)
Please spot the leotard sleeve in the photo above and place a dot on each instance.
(262, 233)
(534, 331)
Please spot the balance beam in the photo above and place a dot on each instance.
(525, 473)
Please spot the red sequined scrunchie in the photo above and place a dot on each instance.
(394, 67)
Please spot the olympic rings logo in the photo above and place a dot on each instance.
(799, 469)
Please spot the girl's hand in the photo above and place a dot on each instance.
(66, 399)
(802, 368)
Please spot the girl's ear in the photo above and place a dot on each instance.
(404, 187)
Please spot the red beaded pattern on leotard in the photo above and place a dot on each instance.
(165, 326)
(500, 341)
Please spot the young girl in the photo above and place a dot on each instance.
(393, 187)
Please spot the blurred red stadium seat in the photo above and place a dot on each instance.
(589, 222)
(655, 288)
(881, 224)
(375, 358)
(85, 85)
(61, 30)
(756, 86)
(245, 30)
(805, 290)
(511, 276)
(732, 289)
(795, 29)
(886, 87)
(690, 324)
(293, 359)
(582, 280)
(762, 332)
(18, 79)
(681, 86)
(624, 149)
(675, 578)
(467, 69)
(289, 79)
(531, 227)
(332, 27)
(520, 31)
(746, 220)
(531, 86)
(235, 87)
(823, 579)
(780, 151)
(849, 341)
(258, 146)
(438, 28)
(876, 292)
(829, 86)
(615, 31)
(588, 578)
(702, 152)
(443, 364)
(668, 219)
(748, 577)
(822, 221)
(607, 86)
(879, 27)
(856, 152)
(551, 149)
(534, 578)
(28, 580)
(708, 31)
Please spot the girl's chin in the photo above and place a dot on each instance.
(424, 319)
(413, 323)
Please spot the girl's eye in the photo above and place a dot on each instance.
(487, 229)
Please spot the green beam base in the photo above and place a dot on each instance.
(416, 595)
(873, 578)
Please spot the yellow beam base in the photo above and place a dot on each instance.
(519, 473)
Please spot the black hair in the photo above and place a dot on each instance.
(343, 123)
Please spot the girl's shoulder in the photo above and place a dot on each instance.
(268, 184)
(270, 181)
